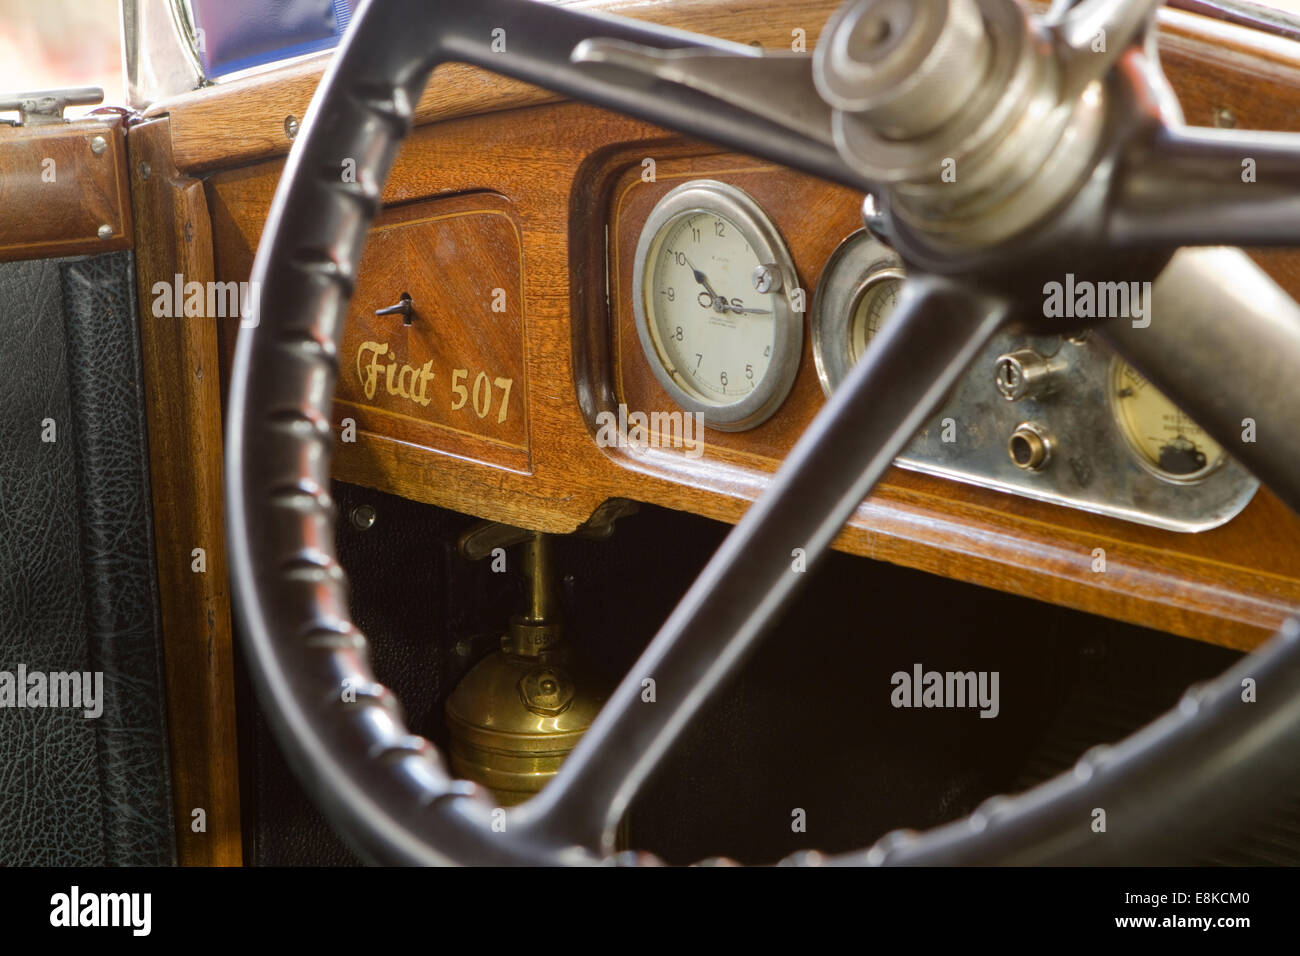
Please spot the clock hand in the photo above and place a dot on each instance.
(716, 302)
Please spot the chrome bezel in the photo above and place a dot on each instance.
(858, 264)
(715, 198)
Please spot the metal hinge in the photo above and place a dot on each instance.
(44, 107)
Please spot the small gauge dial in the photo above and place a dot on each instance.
(874, 306)
(856, 296)
(1164, 439)
(718, 344)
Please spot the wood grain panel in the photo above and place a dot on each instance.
(567, 171)
(465, 334)
(244, 120)
(561, 167)
(183, 406)
(454, 378)
(56, 192)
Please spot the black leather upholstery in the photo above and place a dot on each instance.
(50, 810)
(78, 588)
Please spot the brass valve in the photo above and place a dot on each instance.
(520, 711)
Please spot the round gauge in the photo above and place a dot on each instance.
(876, 301)
(1167, 443)
(712, 279)
(857, 293)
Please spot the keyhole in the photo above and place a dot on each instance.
(1010, 375)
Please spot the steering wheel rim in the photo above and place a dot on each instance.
(386, 789)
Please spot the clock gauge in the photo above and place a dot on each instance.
(713, 284)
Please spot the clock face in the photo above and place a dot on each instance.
(713, 331)
(713, 305)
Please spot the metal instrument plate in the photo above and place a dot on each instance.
(1093, 465)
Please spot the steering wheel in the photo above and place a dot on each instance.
(1070, 159)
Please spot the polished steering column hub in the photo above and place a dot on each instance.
(962, 109)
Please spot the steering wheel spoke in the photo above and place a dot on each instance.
(685, 81)
(1219, 302)
(1193, 186)
(931, 338)
(1095, 33)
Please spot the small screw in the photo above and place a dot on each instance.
(105, 231)
(98, 145)
(1224, 118)
(767, 278)
(363, 517)
(291, 127)
(145, 170)
(462, 648)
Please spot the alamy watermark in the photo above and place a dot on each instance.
(208, 300)
(640, 430)
(1083, 299)
(77, 909)
(79, 689)
(922, 688)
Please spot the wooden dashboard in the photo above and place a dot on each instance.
(521, 201)
(508, 223)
